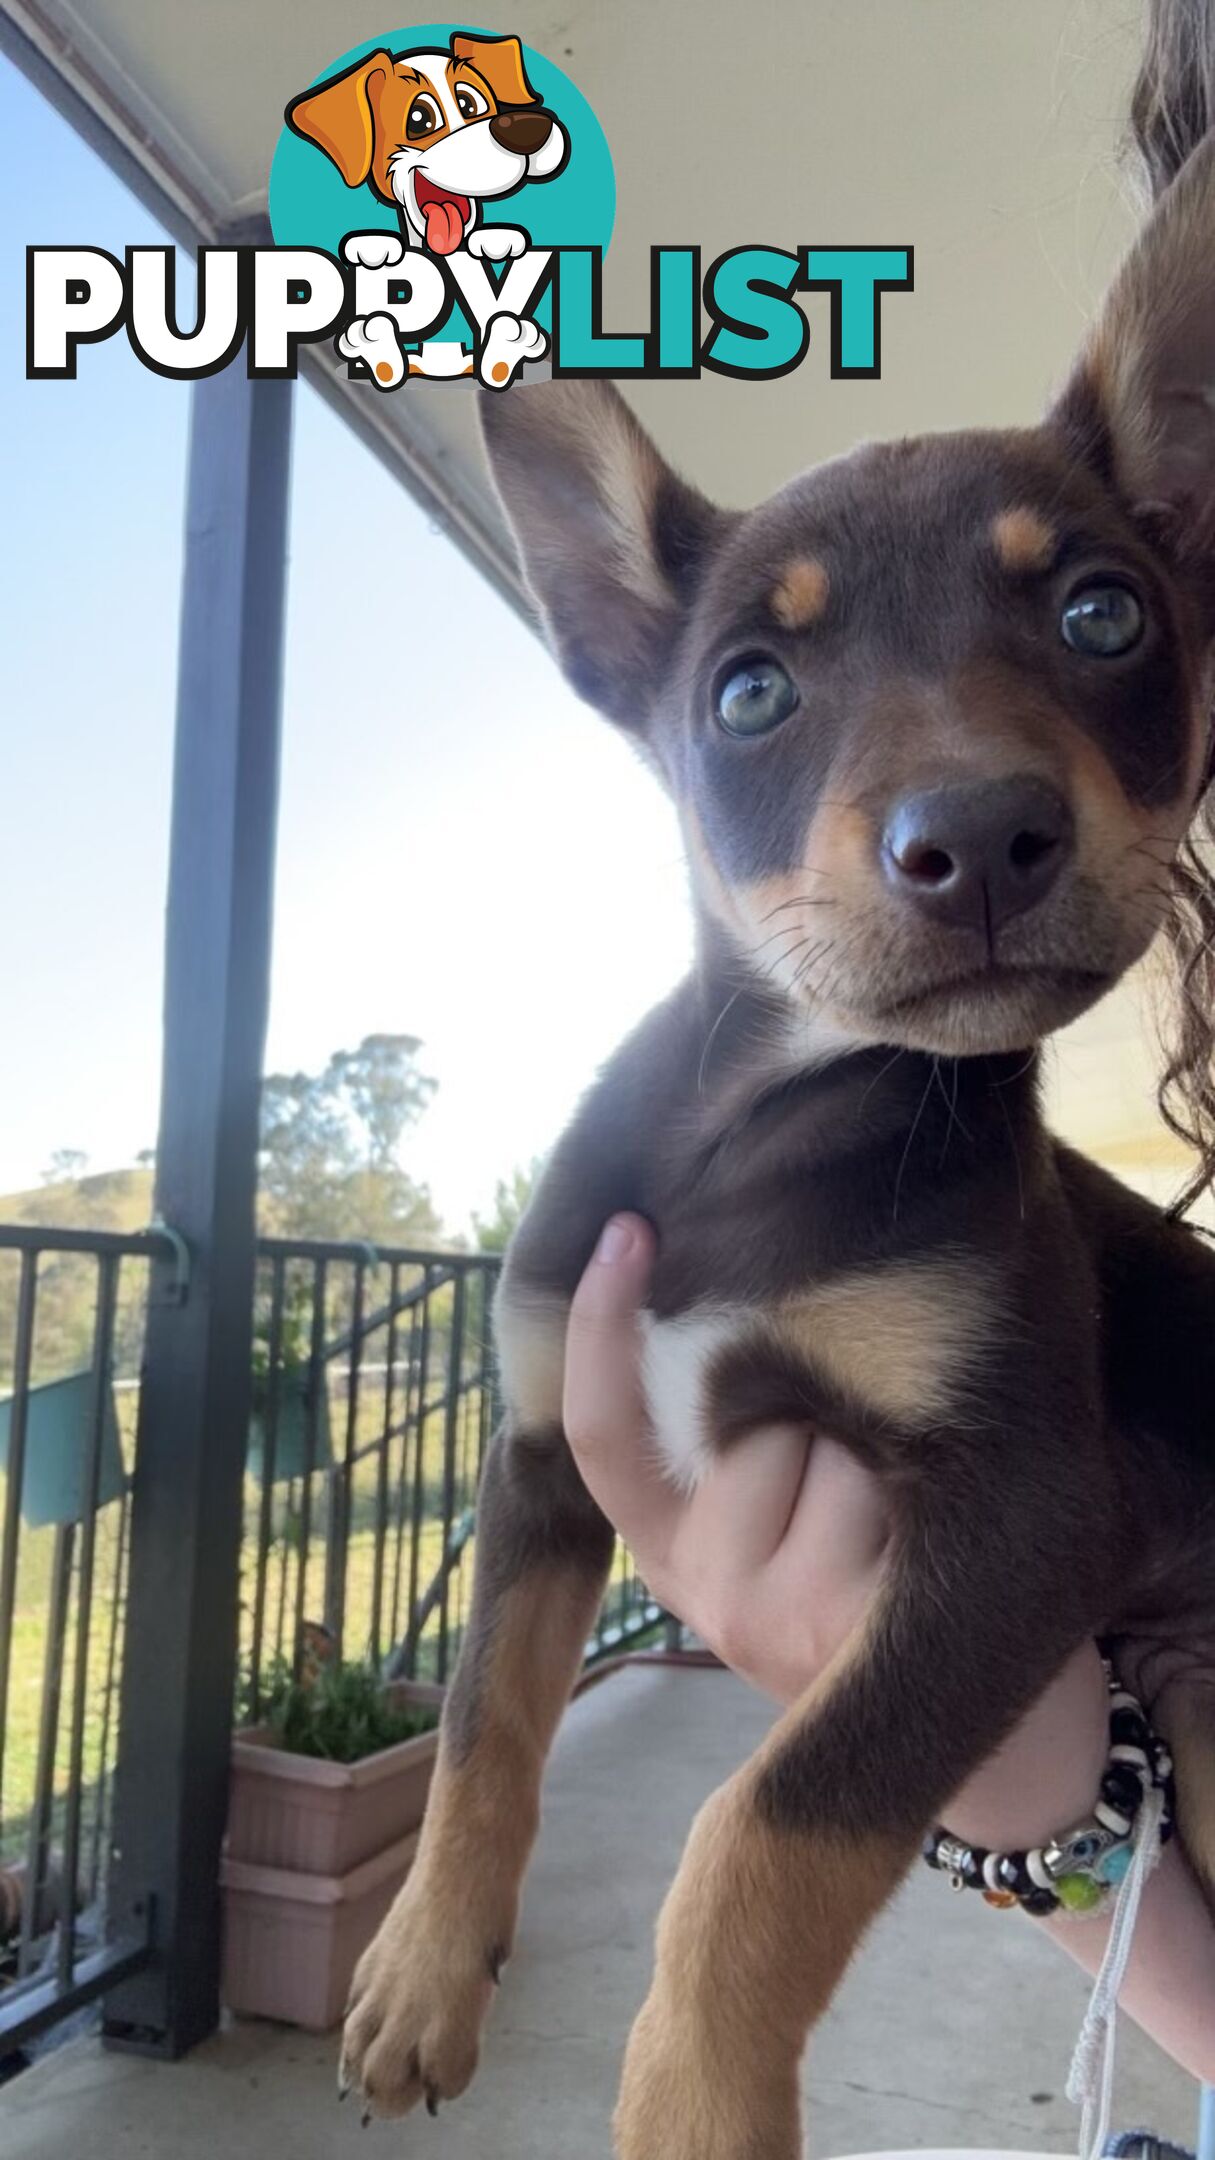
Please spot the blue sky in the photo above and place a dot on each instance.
(467, 855)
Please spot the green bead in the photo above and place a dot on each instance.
(1079, 1893)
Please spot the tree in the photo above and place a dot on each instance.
(386, 1092)
(511, 1196)
(330, 1141)
(66, 1166)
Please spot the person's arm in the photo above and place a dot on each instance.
(775, 1558)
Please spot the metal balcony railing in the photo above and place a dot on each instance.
(373, 1400)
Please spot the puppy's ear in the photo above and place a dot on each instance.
(500, 61)
(338, 117)
(1141, 403)
(612, 543)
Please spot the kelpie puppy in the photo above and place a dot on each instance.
(936, 720)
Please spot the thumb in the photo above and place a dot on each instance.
(605, 1413)
(613, 1288)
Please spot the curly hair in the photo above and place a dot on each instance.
(1186, 1093)
(1173, 101)
(1172, 110)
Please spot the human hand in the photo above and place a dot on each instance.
(776, 1555)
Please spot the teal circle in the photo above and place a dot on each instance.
(311, 206)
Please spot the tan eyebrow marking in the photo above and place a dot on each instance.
(800, 598)
(1023, 540)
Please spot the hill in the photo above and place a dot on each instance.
(67, 1283)
(109, 1200)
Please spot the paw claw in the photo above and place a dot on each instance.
(432, 2102)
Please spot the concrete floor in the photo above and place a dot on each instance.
(955, 2026)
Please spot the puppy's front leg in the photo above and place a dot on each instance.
(788, 1863)
(422, 1989)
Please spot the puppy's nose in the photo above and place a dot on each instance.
(524, 132)
(975, 854)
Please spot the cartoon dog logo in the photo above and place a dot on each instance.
(436, 134)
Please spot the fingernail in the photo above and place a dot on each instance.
(615, 1242)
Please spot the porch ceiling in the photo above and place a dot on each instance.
(984, 135)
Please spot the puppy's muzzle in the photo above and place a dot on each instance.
(522, 132)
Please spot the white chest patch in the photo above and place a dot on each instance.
(676, 1358)
(530, 1334)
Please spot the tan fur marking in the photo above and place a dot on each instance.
(899, 1339)
(782, 917)
(800, 598)
(529, 1336)
(754, 1936)
(1023, 540)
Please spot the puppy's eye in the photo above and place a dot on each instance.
(422, 119)
(1102, 619)
(471, 102)
(755, 697)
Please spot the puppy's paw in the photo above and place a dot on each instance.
(508, 342)
(497, 243)
(417, 2005)
(373, 250)
(374, 339)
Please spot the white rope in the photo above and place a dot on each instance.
(1090, 2081)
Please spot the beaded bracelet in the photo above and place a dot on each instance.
(1076, 1871)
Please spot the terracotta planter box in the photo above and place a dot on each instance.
(316, 1852)
(292, 1941)
(323, 1818)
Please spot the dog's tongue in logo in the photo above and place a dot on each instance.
(446, 215)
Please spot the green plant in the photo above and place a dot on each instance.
(342, 1713)
(294, 1348)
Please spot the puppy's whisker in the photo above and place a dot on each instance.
(915, 1126)
(711, 1038)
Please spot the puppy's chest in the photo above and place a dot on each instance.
(898, 1346)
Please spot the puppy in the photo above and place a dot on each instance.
(937, 722)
